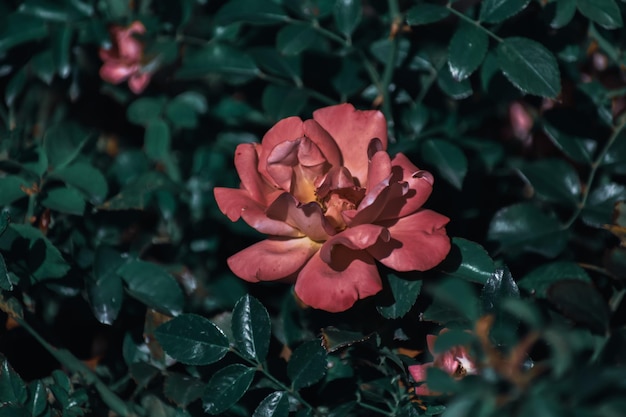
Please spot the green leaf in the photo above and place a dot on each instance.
(280, 102)
(137, 193)
(601, 203)
(452, 338)
(11, 189)
(182, 389)
(529, 66)
(274, 405)
(347, 14)
(469, 260)
(307, 364)
(440, 381)
(570, 145)
(495, 11)
(153, 286)
(17, 28)
(251, 328)
(181, 114)
(553, 180)
(457, 295)
(62, 144)
(606, 13)
(5, 220)
(268, 59)
(37, 398)
(425, 13)
(42, 65)
(64, 200)
(468, 47)
(5, 280)
(582, 303)
(250, 11)
(85, 178)
(565, 11)
(498, 287)
(458, 90)
(524, 227)
(157, 140)
(218, 58)
(541, 278)
(144, 110)
(192, 340)
(448, 159)
(105, 288)
(15, 86)
(334, 339)
(61, 44)
(226, 387)
(404, 292)
(12, 387)
(293, 39)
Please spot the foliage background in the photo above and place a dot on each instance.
(109, 225)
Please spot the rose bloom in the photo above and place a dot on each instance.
(456, 362)
(333, 202)
(123, 60)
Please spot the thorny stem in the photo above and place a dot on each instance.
(471, 21)
(594, 169)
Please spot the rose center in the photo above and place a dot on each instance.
(337, 201)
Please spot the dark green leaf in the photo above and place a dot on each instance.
(11, 189)
(226, 387)
(348, 80)
(307, 364)
(553, 180)
(181, 114)
(136, 194)
(63, 143)
(37, 398)
(310, 9)
(581, 302)
(498, 287)
(251, 328)
(5, 220)
(105, 288)
(293, 39)
(458, 295)
(280, 102)
(12, 387)
(182, 389)
(17, 28)
(64, 200)
(529, 66)
(220, 59)
(142, 373)
(334, 339)
(458, 90)
(268, 59)
(144, 110)
(48, 10)
(565, 11)
(495, 11)
(157, 140)
(274, 405)
(86, 178)
(448, 159)
(42, 65)
(570, 145)
(5, 280)
(250, 11)
(153, 286)
(468, 47)
(606, 13)
(192, 340)
(524, 227)
(470, 261)
(440, 381)
(15, 86)
(425, 13)
(61, 43)
(541, 278)
(347, 14)
(404, 293)
(601, 202)
(448, 339)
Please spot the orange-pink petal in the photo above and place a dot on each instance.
(139, 81)
(272, 259)
(354, 238)
(116, 72)
(246, 163)
(308, 218)
(288, 129)
(324, 142)
(336, 287)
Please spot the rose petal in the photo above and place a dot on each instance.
(324, 142)
(379, 168)
(288, 129)
(418, 372)
(246, 162)
(378, 199)
(430, 341)
(336, 287)
(237, 204)
(308, 218)
(272, 259)
(418, 242)
(139, 81)
(129, 47)
(423, 390)
(355, 238)
(115, 72)
(353, 130)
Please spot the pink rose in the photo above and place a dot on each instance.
(333, 202)
(123, 60)
(456, 362)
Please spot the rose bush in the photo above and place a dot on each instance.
(123, 61)
(456, 362)
(333, 202)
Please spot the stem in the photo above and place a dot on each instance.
(325, 32)
(594, 169)
(476, 23)
(373, 408)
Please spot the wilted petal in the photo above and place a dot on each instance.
(272, 259)
(336, 287)
(138, 82)
(418, 242)
(308, 218)
(116, 72)
(237, 204)
(355, 238)
(353, 130)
